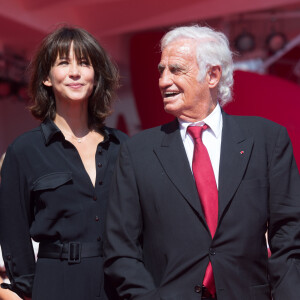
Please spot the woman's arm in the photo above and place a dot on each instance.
(15, 223)
(8, 295)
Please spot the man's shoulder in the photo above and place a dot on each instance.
(256, 124)
(254, 120)
(152, 136)
(155, 132)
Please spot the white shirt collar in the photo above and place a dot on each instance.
(213, 120)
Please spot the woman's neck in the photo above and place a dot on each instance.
(72, 119)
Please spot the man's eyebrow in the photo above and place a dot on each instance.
(176, 67)
(160, 67)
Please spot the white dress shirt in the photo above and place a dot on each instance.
(211, 138)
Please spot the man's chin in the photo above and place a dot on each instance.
(170, 109)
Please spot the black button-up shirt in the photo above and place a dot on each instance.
(47, 194)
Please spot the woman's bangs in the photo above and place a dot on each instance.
(81, 52)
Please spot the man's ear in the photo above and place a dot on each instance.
(47, 82)
(214, 75)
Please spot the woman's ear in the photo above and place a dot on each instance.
(214, 76)
(47, 82)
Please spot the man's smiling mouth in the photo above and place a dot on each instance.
(170, 94)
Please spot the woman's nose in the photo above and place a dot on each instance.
(74, 70)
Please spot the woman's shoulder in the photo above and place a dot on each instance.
(27, 139)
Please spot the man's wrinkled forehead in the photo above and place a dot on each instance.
(182, 45)
(179, 50)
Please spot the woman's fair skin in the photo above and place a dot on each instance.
(72, 82)
(7, 294)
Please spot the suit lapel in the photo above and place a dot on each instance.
(172, 156)
(235, 153)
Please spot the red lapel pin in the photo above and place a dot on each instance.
(242, 152)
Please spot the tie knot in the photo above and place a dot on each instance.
(196, 131)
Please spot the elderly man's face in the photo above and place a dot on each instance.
(183, 95)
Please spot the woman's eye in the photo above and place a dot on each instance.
(84, 62)
(63, 62)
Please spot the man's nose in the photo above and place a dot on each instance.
(165, 79)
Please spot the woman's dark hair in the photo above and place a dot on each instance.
(58, 43)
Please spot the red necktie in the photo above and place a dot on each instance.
(207, 190)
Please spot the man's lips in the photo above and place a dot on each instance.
(170, 94)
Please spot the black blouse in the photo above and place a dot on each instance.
(47, 194)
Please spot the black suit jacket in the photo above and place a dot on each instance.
(157, 241)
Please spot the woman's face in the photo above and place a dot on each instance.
(71, 80)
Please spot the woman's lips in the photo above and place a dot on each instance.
(75, 85)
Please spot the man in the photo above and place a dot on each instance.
(190, 206)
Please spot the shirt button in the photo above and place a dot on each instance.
(100, 182)
(212, 251)
(8, 257)
(198, 289)
(98, 238)
(97, 218)
(99, 165)
(100, 151)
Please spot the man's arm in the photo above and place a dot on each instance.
(124, 226)
(284, 221)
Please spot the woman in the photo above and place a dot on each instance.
(55, 178)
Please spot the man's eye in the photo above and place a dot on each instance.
(175, 70)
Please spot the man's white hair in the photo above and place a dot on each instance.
(212, 49)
